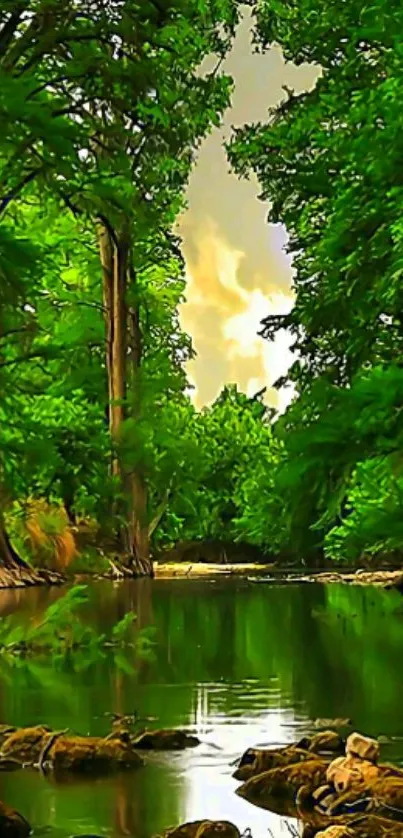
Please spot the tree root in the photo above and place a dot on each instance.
(24, 577)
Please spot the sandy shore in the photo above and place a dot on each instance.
(171, 570)
(182, 570)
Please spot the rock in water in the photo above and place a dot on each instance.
(12, 824)
(86, 754)
(255, 760)
(165, 740)
(204, 829)
(283, 782)
(363, 747)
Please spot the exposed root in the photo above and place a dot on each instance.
(24, 577)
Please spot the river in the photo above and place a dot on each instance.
(241, 663)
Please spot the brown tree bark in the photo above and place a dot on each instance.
(140, 533)
(122, 330)
(114, 257)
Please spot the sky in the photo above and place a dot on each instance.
(237, 271)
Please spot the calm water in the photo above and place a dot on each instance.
(243, 664)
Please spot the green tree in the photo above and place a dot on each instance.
(328, 162)
(110, 108)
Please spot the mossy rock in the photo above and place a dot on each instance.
(283, 782)
(165, 740)
(256, 761)
(92, 755)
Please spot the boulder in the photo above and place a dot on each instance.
(204, 829)
(362, 747)
(255, 760)
(91, 754)
(349, 772)
(283, 782)
(12, 824)
(165, 740)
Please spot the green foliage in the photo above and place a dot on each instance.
(102, 111)
(327, 160)
(218, 455)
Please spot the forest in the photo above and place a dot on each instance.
(103, 110)
(135, 704)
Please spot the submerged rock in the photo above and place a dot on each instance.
(283, 782)
(12, 824)
(165, 740)
(255, 760)
(204, 829)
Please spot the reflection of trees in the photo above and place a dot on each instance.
(329, 652)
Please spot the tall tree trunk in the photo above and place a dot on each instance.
(122, 333)
(139, 495)
(114, 270)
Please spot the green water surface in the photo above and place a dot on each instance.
(241, 663)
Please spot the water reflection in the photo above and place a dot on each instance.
(243, 664)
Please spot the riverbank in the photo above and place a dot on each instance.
(269, 574)
(173, 570)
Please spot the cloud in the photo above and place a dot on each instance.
(237, 269)
(224, 317)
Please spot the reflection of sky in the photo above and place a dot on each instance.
(237, 269)
(207, 787)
